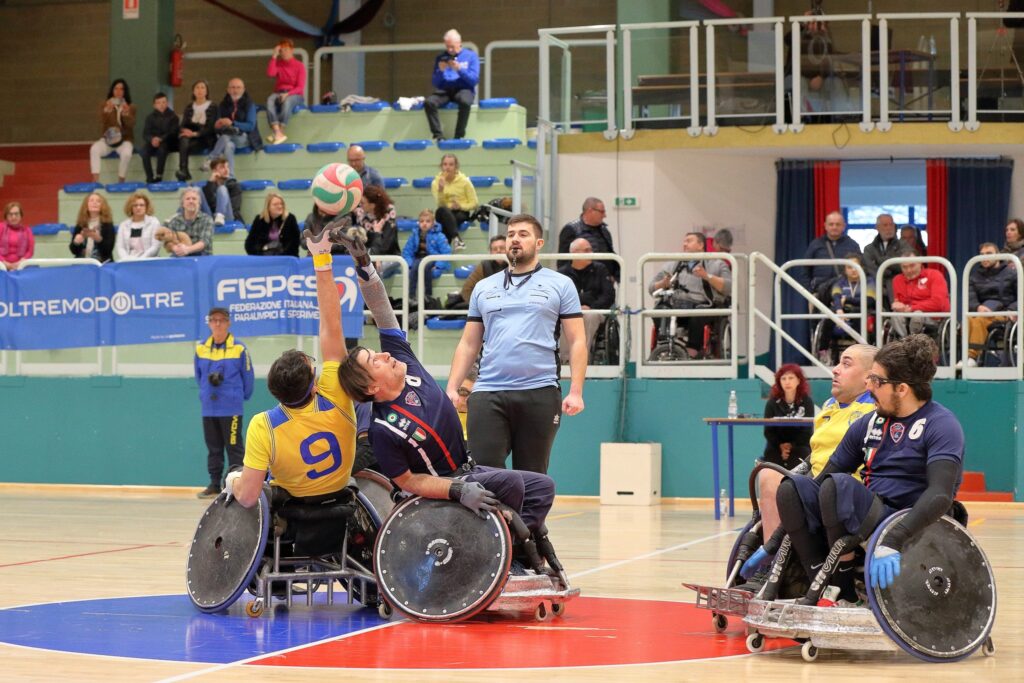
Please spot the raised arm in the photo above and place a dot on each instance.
(375, 295)
(332, 341)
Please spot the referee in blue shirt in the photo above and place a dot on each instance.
(517, 316)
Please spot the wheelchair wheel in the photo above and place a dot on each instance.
(1010, 345)
(668, 351)
(942, 606)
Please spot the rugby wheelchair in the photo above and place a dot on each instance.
(605, 347)
(668, 337)
(941, 608)
(437, 561)
(283, 547)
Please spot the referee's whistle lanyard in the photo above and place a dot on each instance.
(509, 275)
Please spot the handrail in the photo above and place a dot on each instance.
(366, 49)
(517, 187)
(881, 314)
(628, 131)
(426, 262)
(693, 368)
(972, 60)
(300, 52)
(991, 373)
(547, 40)
(516, 44)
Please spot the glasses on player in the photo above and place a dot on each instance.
(876, 381)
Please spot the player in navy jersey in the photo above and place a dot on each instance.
(912, 450)
(415, 432)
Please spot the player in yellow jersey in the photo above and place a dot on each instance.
(308, 441)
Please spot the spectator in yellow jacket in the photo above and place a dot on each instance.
(456, 199)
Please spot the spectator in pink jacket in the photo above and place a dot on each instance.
(16, 240)
(289, 86)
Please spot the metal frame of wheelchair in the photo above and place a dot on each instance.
(668, 342)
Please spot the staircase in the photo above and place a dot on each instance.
(973, 489)
(39, 173)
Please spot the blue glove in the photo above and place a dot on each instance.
(755, 560)
(885, 567)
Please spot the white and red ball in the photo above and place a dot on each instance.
(337, 189)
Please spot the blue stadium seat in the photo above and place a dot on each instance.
(462, 272)
(411, 145)
(438, 324)
(394, 183)
(422, 183)
(532, 144)
(497, 103)
(502, 143)
(483, 180)
(165, 186)
(407, 224)
(198, 183)
(527, 180)
(283, 148)
(125, 187)
(295, 184)
(370, 106)
(464, 225)
(372, 145)
(321, 147)
(299, 107)
(255, 185)
(464, 143)
(450, 105)
(245, 150)
(82, 188)
(114, 155)
(229, 228)
(48, 228)
(325, 108)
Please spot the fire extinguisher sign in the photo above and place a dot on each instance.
(130, 9)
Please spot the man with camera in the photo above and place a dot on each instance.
(456, 73)
(225, 378)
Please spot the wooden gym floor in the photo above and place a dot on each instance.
(77, 547)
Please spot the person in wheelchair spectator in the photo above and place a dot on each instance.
(416, 433)
(847, 293)
(594, 285)
(695, 284)
(992, 287)
(918, 289)
(834, 244)
(883, 247)
(911, 449)
(790, 397)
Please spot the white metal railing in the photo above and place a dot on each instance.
(972, 123)
(423, 330)
(1014, 317)
(725, 367)
(301, 53)
(373, 49)
(944, 370)
(517, 187)
(546, 180)
(488, 57)
(548, 39)
(627, 131)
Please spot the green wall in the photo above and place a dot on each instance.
(113, 430)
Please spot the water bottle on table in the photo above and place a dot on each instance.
(733, 406)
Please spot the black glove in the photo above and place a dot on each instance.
(474, 496)
(348, 238)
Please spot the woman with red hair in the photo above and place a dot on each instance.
(790, 397)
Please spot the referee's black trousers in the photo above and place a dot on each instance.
(524, 422)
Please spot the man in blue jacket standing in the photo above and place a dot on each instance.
(225, 378)
(456, 73)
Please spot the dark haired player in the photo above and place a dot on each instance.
(912, 450)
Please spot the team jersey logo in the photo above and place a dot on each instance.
(896, 431)
(419, 435)
(412, 399)
(392, 418)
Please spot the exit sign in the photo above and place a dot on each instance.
(627, 203)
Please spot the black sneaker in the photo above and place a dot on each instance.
(755, 582)
(211, 491)
(183, 176)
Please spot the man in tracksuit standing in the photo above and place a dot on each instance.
(225, 378)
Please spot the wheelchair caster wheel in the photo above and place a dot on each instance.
(808, 651)
(254, 608)
(384, 610)
(755, 642)
(988, 648)
(542, 613)
(720, 623)
(558, 608)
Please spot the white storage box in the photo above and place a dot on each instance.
(630, 473)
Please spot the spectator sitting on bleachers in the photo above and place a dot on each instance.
(590, 226)
(918, 289)
(194, 223)
(17, 242)
(235, 124)
(117, 122)
(428, 240)
(376, 215)
(993, 287)
(93, 234)
(456, 199)
(456, 73)
(274, 232)
(222, 195)
(594, 286)
(369, 175)
(834, 244)
(196, 131)
(1014, 238)
(460, 300)
(159, 135)
(910, 235)
(136, 236)
(289, 76)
